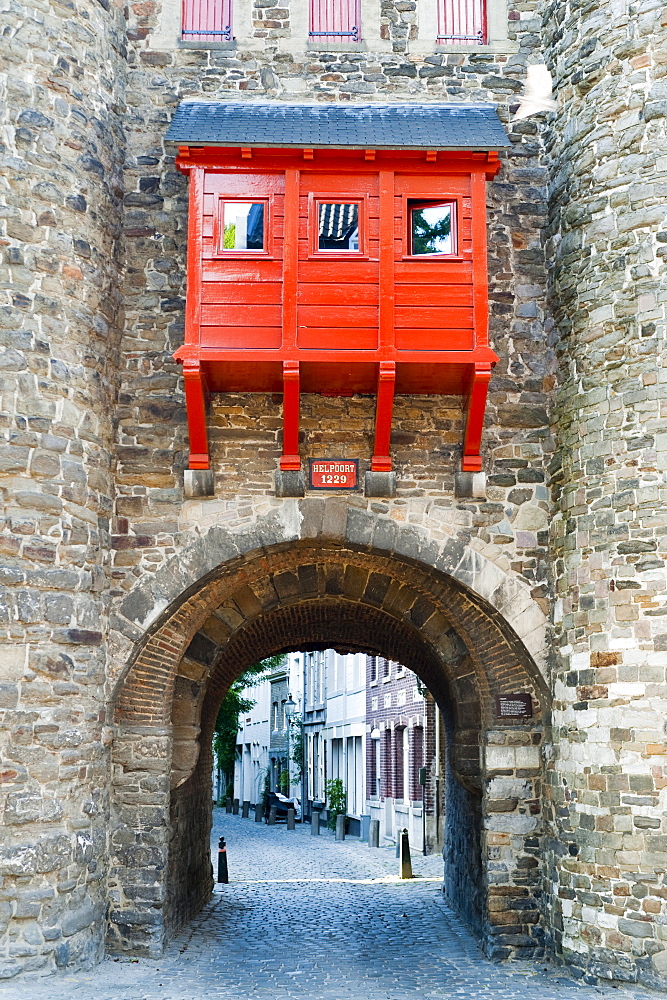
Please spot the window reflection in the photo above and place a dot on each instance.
(338, 226)
(243, 225)
(431, 228)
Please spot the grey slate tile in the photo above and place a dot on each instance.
(356, 126)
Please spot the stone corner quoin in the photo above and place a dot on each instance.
(127, 606)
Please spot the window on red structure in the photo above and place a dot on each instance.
(462, 22)
(207, 21)
(335, 20)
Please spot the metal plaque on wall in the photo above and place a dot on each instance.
(514, 706)
(334, 473)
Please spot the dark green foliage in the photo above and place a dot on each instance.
(336, 800)
(227, 722)
(296, 747)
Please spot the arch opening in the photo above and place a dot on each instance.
(307, 597)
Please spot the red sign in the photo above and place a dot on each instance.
(334, 473)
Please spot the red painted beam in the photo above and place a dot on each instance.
(381, 461)
(291, 403)
(195, 402)
(474, 412)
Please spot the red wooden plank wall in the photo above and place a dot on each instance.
(207, 20)
(434, 296)
(242, 293)
(246, 304)
(338, 295)
(462, 22)
(335, 20)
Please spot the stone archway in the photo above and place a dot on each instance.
(309, 592)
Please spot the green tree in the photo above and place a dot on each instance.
(233, 704)
(296, 747)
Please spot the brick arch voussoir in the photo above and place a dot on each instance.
(254, 585)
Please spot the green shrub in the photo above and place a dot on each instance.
(336, 800)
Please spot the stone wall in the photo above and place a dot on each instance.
(98, 541)
(61, 161)
(606, 246)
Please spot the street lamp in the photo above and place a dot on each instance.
(290, 708)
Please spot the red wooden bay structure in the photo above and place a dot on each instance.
(337, 249)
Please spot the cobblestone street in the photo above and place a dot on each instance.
(311, 918)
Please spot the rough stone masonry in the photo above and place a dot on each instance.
(126, 607)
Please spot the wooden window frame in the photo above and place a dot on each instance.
(218, 227)
(314, 202)
(456, 202)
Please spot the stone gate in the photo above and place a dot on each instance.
(127, 606)
(321, 573)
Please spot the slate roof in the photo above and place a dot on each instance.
(342, 126)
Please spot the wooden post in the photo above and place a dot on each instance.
(291, 402)
(474, 418)
(381, 461)
(195, 402)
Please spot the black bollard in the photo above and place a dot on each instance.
(291, 819)
(273, 812)
(374, 833)
(315, 823)
(223, 873)
(259, 813)
(228, 805)
(405, 862)
(340, 826)
(246, 809)
(235, 807)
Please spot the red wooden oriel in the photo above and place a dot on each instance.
(293, 318)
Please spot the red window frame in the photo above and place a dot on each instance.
(410, 204)
(219, 227)
(324, 199)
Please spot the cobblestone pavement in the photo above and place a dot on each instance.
(311, 918)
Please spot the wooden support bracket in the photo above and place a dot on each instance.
(290, 459)
(381, 461)
(475, 407)
(196, 398)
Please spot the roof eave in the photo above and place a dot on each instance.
(208, 143)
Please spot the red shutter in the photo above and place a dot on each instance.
(462, 22)
(207, 21)
(335, 20)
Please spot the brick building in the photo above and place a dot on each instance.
(535, 586)
(404, 731)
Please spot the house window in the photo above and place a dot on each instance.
(335, 20)
(242, 226)
(338, 226)
(373, 664)
(431, 228)
(462, 22)
(206, 21)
